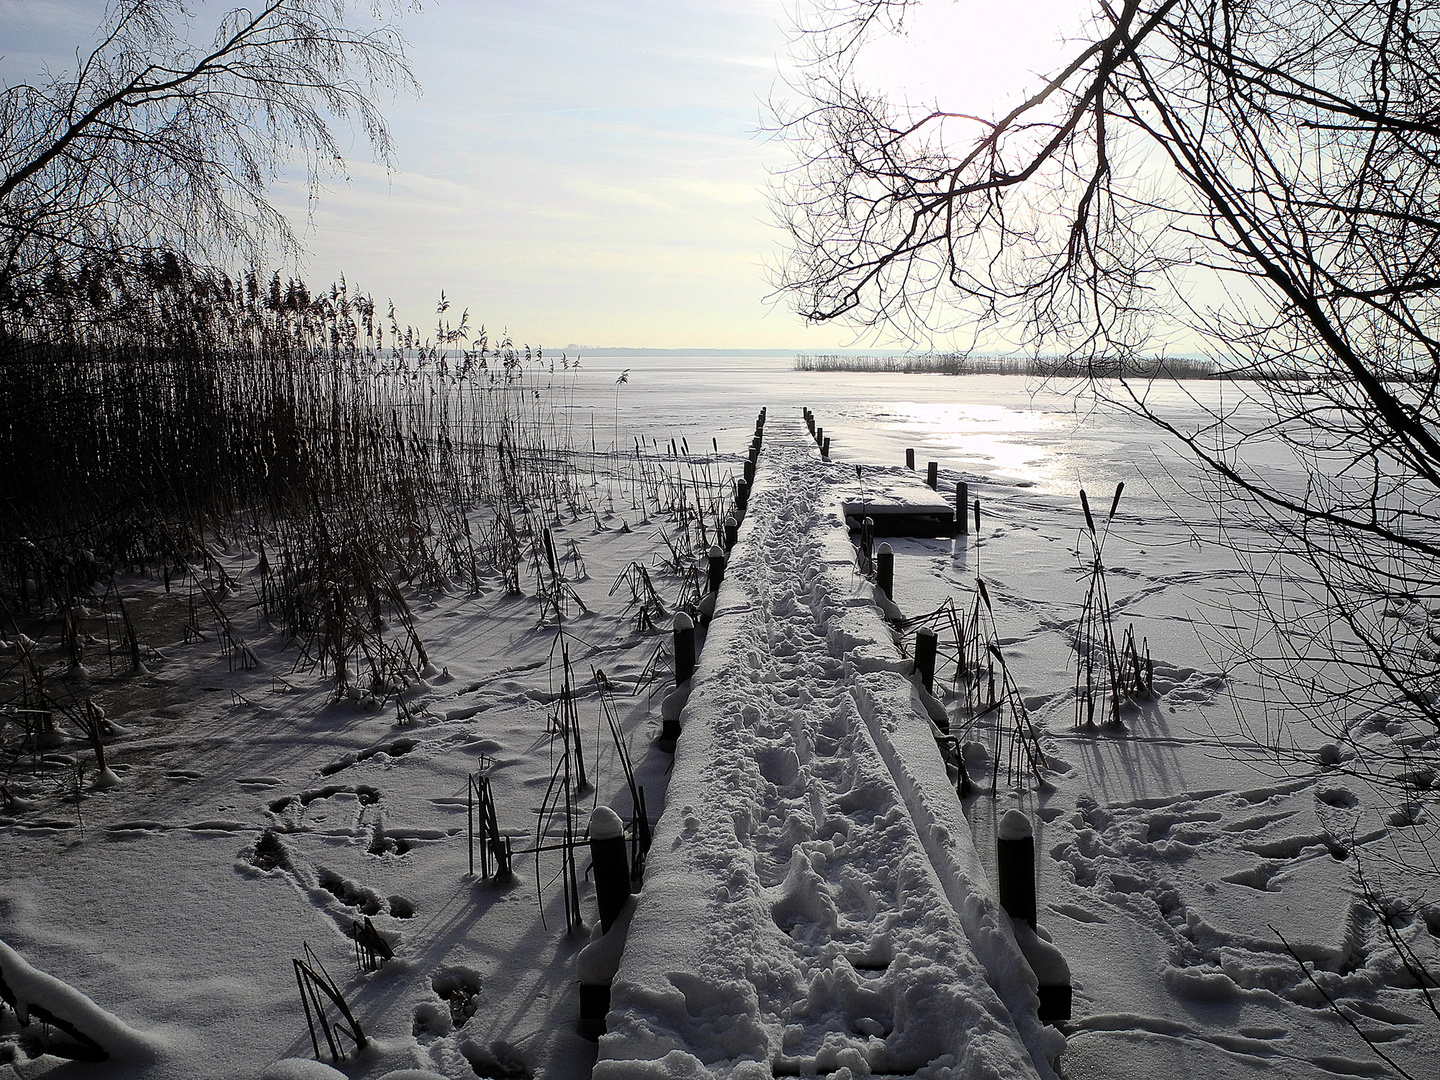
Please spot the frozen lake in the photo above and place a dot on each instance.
(1172, 849)
(1052, 436)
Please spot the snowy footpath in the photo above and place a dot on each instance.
(814, 902)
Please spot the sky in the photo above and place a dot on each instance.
(579, 171)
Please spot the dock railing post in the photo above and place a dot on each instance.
(925, 643)
(885, 570)
(717, 568)
(611, 862)
(1015, 865)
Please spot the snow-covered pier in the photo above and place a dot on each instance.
(813, 901)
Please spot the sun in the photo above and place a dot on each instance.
(976, 56)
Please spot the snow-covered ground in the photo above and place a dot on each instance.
(256, 814)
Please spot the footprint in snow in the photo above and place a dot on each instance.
(457, 999)
(1339, 797)
(388, 751)
(1407, 815)
(364, 795)
(1256, 877)
(122, 828)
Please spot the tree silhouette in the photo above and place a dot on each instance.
(154, 143)
(1264, 174)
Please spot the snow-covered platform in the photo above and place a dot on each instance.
(814, 903)
(900, 504)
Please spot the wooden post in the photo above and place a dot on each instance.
(932, 475)
(717, 568)
(684, 628)
(732, 532)
(910, 459)
(925, 642)
(962, 507)
(594, 1007)
(819, 434)
(742, 498)
(612, 864)
(885, 570)
(1015, 862)
(749, 471)
(684, 641)
(1015, 858)
(825, 448)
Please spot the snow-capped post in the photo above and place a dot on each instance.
(749, 471)
(732, 531)
(684, 647)
(925, 642)
(597, 965)
(1015, 857)
(885, 570)
(742, 498)
(910, 458)
(1015, 862)
(717, 568)
(684, 629)
(932, 475)
(754, 452)
(611, 862)
(825, 449)
(962, 507)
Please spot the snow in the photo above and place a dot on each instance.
(300, 1069)
(37, 996)
(817, 896)
(1014, 826)
(599, 961)
(891, 493)
(605, 824)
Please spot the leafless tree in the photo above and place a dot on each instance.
(1280, 156)
(155, 142)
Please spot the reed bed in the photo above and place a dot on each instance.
(1110, 673)
(1036, 366)
(352, 458)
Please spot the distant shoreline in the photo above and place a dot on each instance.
(957, 364)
